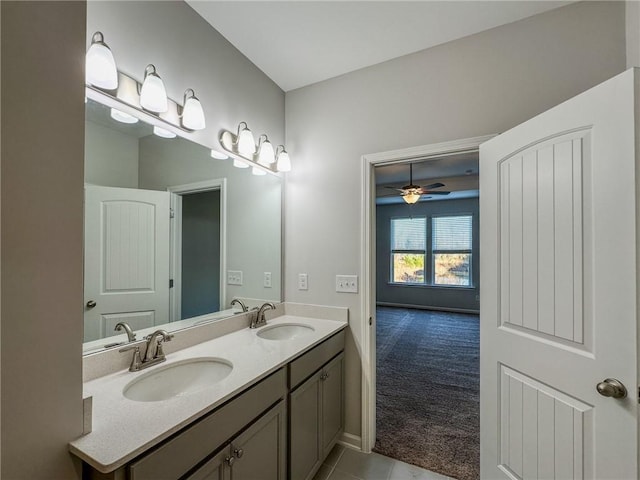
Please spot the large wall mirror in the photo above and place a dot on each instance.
(172, 235)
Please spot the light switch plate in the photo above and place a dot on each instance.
(347, 283)
(267, 279)
(303, 281)
(234, 277)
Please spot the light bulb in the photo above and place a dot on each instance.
(122, 117)
(192, 113)
(161, 132)
(218, 155)
(258, 171)
(284, 162)
(153, 95)
(245, 142)
(411, 198)
(100, 69)
(266, 156)
(240, 164)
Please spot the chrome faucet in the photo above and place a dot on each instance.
(241, 303)
(259, 319)
(154, 353)
(131, 336)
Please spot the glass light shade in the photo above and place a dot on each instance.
(161, 132)
(284, 162)
(240, 164)
(153, 95)
(266, 156)
(411, 198)
(192, 114)
(100, 68)
(258, 171)
(246, 143)
(122, 117)
(218, 155)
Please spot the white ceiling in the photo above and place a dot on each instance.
(297, 43)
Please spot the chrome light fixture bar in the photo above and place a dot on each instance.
(242, 147)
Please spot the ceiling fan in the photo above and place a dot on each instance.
(411, 193)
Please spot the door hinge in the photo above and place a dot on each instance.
(172, 213)
(370, 321)
(171, 283)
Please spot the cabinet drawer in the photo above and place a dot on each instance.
(177, 456)
(304, 366)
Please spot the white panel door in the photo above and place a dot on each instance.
(126, 269)
(558, 238)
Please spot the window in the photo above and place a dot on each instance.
(451, 250)
(408, 249)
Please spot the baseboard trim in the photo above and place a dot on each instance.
(351, 441)
(425, 307)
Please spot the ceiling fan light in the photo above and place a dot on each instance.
(411, 198)
(153, 94)
(100, 68)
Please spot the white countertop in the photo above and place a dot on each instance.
(123, 428)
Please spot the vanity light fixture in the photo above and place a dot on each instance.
(192, 113)
(122, 117)
(100, 66)
(153, 95)
(161, 132)
(282, 158)
(266, 156)
(245, 143)
(258, 171)
(218, 155)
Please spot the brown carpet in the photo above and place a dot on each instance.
(428, 405)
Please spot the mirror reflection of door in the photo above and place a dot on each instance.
(126, 259)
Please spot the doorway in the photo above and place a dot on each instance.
(373, 267)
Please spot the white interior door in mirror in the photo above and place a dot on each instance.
(558, 272)
(126, 259)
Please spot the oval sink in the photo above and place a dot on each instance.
(177, 379)
(285, 331)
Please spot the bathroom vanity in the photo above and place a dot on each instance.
(274, 413)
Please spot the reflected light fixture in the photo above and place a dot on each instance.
(153, 95)
(266, 156)
(161, 132)
(218, 155)
(100, 69)
(258, 171)
(122, 117)
(411, 197)
(283, 161)
(192, 113)
(245, 143)
(239, 163)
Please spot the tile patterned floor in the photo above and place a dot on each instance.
(347, 464)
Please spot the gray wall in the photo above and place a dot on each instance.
(455, 298)
(200, 253)
(111, 157)
(43, 45)
(482, 84)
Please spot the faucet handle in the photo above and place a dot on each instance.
(136, 361)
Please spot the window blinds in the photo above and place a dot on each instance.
(409, 233)
(452, 233)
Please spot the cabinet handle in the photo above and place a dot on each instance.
(324, 376)
(230, 460)
(238, 452)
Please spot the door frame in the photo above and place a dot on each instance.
(368, 262)
(177, 191)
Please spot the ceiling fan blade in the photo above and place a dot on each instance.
(435, 193)
(396, 189)
(433, 185)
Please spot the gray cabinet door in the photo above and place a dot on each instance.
(304, 408)
(261, 451)
(214, 469)
(332, 413)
